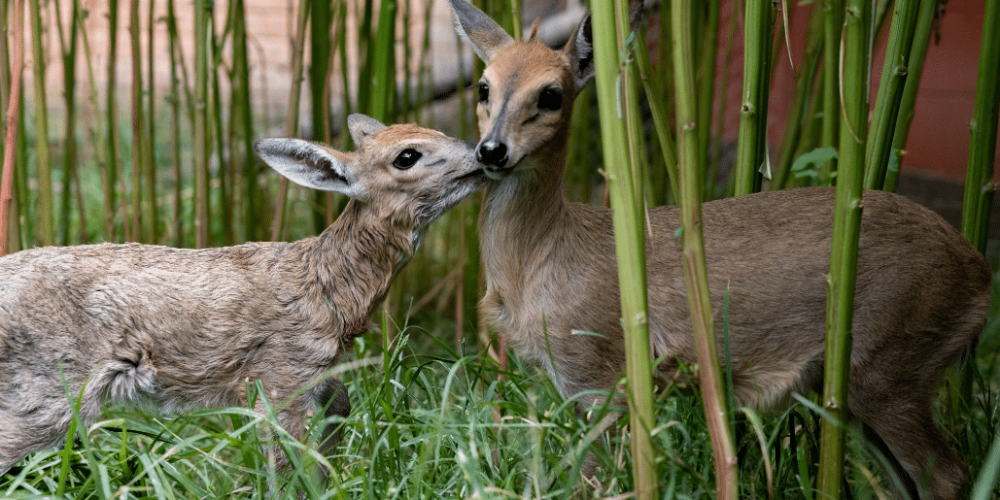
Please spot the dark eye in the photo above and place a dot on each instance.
(484, 92)
(550, 99)
(407, 159)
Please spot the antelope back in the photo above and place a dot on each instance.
(401, 173)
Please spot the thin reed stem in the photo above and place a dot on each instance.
(44, 215)
(624, 176)
(979, 186)
(844, 252)
(693, 248)
(895, 71)
(11, 123)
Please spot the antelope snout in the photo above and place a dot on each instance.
(493, 155)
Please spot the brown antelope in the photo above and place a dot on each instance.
(922, 290)
(183, 329)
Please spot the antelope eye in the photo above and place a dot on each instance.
(484, 92)
(550, 99)
(407, 159)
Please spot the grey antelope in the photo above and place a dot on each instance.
(922, 290)
(182, 329)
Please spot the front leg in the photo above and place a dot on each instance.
(331, 397)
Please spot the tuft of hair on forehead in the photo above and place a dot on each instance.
(534, 29)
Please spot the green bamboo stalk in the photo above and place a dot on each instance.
(829, 138)
(804, 78)
(661, 119)
(68, 53)
(693, 244)
(366, 47)
(225, 199)
(979, 187)
(152, 208)
(114, 141)
(202, 145)
(96, 128)
(890, 92)
(628, 216)
(383, 62)
(712, 169)
(44, 215)
(340, 45)
(11, 124)
(175, 126)
(918, 52)
(8, 210)
(706, 78)
(844, 252)
(752, 143)
(515, 16)
(319, 44)
(140, 143)
(292, 115)
(242, 121)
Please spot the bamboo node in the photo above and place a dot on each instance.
(641, 318)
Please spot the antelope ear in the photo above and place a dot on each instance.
(580, 50)
(311, 165)
(362, 127)
(474, 26)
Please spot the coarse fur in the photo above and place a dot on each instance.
(921, 297)
(181, 329)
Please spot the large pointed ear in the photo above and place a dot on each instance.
(580, 50)
(311, 165)
(362, 127)
(473, 25)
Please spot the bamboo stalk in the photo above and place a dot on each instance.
(292, 116)
(68, 52)
(225, 172)
(139, 128)
(13, 112)
(832, 28)
(202, 144)
(890, 92)
(979, 186)
(695, 274)
(915, 68)
(844, 252)
(10, 209)
(794, 124)
(44, 215)
(383, 62)
(661, 119)
(752, 144)
(152, 208)
(242, 121)
(319, 45)
(114, 142)
(175, 126)
(96, 128)
(706, 79)
(628, 216)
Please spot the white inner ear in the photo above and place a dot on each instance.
(583, 57)
(309, 165)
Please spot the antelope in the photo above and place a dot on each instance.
(182, 329)
(922, 290)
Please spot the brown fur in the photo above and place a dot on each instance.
(181, 329)
(921, 299)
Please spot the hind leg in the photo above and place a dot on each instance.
(898, 412)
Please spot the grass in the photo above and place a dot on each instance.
(430, 422)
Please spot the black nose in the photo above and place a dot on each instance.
(492, 154)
